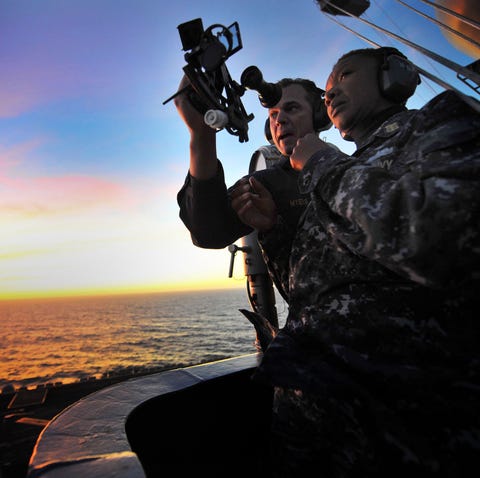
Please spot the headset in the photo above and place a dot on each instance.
(321, 121)
(397, 77)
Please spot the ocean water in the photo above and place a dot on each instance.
(66, 340)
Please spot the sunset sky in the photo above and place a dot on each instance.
(90, 159)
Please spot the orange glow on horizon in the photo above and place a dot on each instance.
(125, 290)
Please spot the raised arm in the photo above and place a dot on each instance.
(203, 150)
(204, 203)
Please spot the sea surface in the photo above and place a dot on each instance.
(53, 341)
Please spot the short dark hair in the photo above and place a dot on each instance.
(314, 93)
(378, 53)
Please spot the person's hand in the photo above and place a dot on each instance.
(305, 148)
(190, 115)
(254, 204)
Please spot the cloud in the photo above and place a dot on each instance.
(24, 192)
(53, 195)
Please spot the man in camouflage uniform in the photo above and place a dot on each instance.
(376, 371)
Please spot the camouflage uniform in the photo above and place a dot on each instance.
(377, 368)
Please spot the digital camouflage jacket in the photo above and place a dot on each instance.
(383, 277)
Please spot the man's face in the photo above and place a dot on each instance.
(291, 118)
(352, 95)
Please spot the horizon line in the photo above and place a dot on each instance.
(82, 293)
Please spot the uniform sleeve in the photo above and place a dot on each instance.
(206, 212)
(422, 221)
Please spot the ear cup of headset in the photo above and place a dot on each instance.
(398, 78)
(267, 132)
(321, 121)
